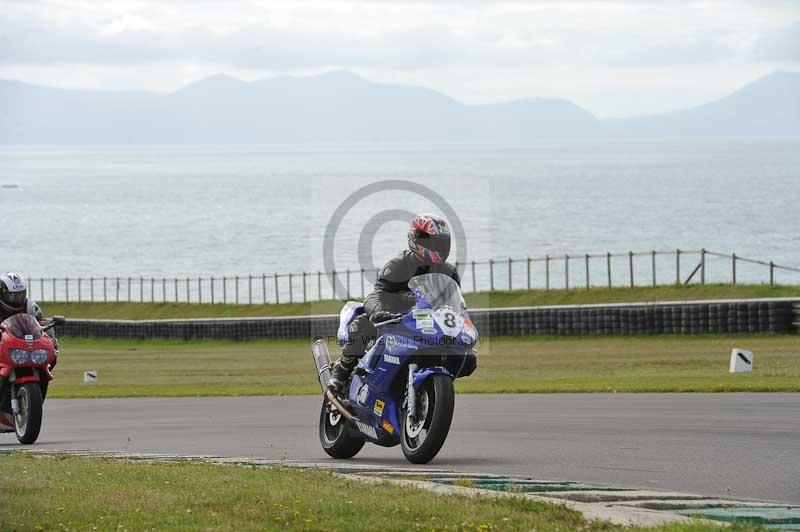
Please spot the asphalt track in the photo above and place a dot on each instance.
(731, 445)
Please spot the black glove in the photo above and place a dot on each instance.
(382, 315)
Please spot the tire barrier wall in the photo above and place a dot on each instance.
(777, 316)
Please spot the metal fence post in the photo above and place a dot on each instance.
(608, 267)
(79, 289)
(91, 289)
(733, 268)
(105, 293)
(152, 289)
(199, 289)
(250, 289)
(236, 288)
(703, 266)
(277, 296)
(491, 275)
(163, 289)
(117, 289)
(630, 266)
(212, 291)
(264, 288)
(362, 281)
(129, 289)
(291, 292)
(188, 294)
(304, 288)
(586, 264)
(566, 272)
(510, 286)
(66, 280)
(474, 289)
(141, 289)
(176, 290)
(319, 285)
(54, 288)
(547, 272)
(771, 273)
(529, 273)
(348, 284)
(654, 267)
(677, 266)
(224, 290)
(333, 285)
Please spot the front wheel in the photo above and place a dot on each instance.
(335, 436)
(423, 436)
(28, 420)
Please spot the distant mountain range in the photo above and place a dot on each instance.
(339, 106)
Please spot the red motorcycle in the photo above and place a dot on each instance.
(27, 354)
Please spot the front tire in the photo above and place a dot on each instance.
(335, 436)
(422, 439)
(28, 422)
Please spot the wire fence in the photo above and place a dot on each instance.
(568, 271)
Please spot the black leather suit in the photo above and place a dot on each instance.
(391, 294)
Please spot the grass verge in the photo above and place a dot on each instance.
(139, 311)
(71, 493)
(537, 364)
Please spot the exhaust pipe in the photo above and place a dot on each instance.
(322, 360)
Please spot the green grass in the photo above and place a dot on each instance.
(71, 493)
(536, 364)
(138, 311)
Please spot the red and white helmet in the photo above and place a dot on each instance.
(429, 238)
(13, 292)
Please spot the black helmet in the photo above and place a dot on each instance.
(429, 238)
(13, 292)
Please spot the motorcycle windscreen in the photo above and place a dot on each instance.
(436, 291)
(23, 326)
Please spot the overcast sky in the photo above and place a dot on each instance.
(615, 58)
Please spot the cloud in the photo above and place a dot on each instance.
(782, 45)
(405, 35)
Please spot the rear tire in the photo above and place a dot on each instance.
(28, 422)
(422, 440)
(335, 436)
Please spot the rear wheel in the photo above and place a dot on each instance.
(423, 436)
(336, 438)
(28, 420)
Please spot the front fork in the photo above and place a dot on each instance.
(14, 400)
(411, 394)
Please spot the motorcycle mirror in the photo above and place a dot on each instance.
(59, 320)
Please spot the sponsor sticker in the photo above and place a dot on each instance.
(378, 409)
(388, 427)
(391, 359)
(369, 430)
(423, 318)
(428, 331)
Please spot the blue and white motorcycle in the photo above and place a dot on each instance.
(401, 392)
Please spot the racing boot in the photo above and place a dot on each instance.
(342, 369)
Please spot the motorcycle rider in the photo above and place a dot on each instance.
(14, 300)
(14, 297)
(428, 249)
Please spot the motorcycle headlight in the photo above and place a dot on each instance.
(39, 356)
(19, 356)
